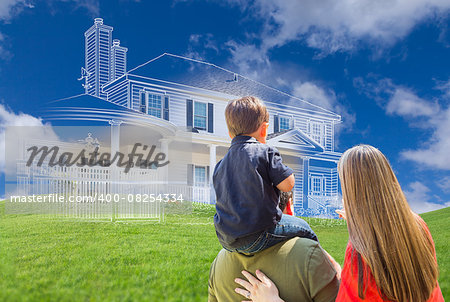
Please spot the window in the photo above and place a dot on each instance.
(150, 103)
(285, 123)
(317, 185)
(200, 176)
(317, 132)
(154, 105)
(200, 115)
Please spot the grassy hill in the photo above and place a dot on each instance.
(46, 259)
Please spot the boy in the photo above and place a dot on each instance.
(248, 181)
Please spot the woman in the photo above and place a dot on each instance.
(390, 254)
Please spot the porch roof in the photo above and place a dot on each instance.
(85, 108)
(296, 140)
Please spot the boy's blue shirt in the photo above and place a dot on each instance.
(247, 198)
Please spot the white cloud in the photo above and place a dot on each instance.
(435, 152)
(200, 45)
(9, 118)
(405, 103)
(92, 7)
(418, 198)
(249, 59)
(444, 86)
(310, 91)
(8, 9)
(332, 26)
(432, 115)
(444, 184)
(11, 8)
(325, 98)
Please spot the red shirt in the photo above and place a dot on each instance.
(348, 291)
(288, 209)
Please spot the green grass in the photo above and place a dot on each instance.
(439, 224)
(44, 259)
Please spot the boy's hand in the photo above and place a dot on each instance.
(287, 184)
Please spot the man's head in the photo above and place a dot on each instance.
(247, 116)
(285, 198)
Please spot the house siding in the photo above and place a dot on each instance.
(177, 108)
(118, 93)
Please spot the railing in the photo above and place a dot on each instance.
(323, 201)
(103, 192)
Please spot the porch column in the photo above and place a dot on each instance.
(212, 165)
(165, 149)
(115, 136)
(305, 182)
(338, 189)
(114, 179)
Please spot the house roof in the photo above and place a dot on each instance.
(195, 73)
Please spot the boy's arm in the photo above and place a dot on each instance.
(287, 184)
(281, 176)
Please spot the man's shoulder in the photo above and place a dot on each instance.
(298, 266)
(296, 247)
(299, 248)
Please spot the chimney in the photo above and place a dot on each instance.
(98, 21)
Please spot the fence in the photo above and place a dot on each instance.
(104, 192)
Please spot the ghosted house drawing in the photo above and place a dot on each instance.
(174, 97)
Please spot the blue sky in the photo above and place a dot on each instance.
(383, 66)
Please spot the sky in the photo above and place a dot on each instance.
(382, 65)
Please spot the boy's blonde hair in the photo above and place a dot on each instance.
(245, 115)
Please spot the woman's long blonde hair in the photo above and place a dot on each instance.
(383, 230)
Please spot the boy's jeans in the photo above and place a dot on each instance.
(287, 228)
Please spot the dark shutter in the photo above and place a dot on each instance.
(142, 104)
(276, 124)
(189, 113)
(142, 98)
(210, 117)
(291, 123)
(207, 175)
(190, 175)
(166, 107)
